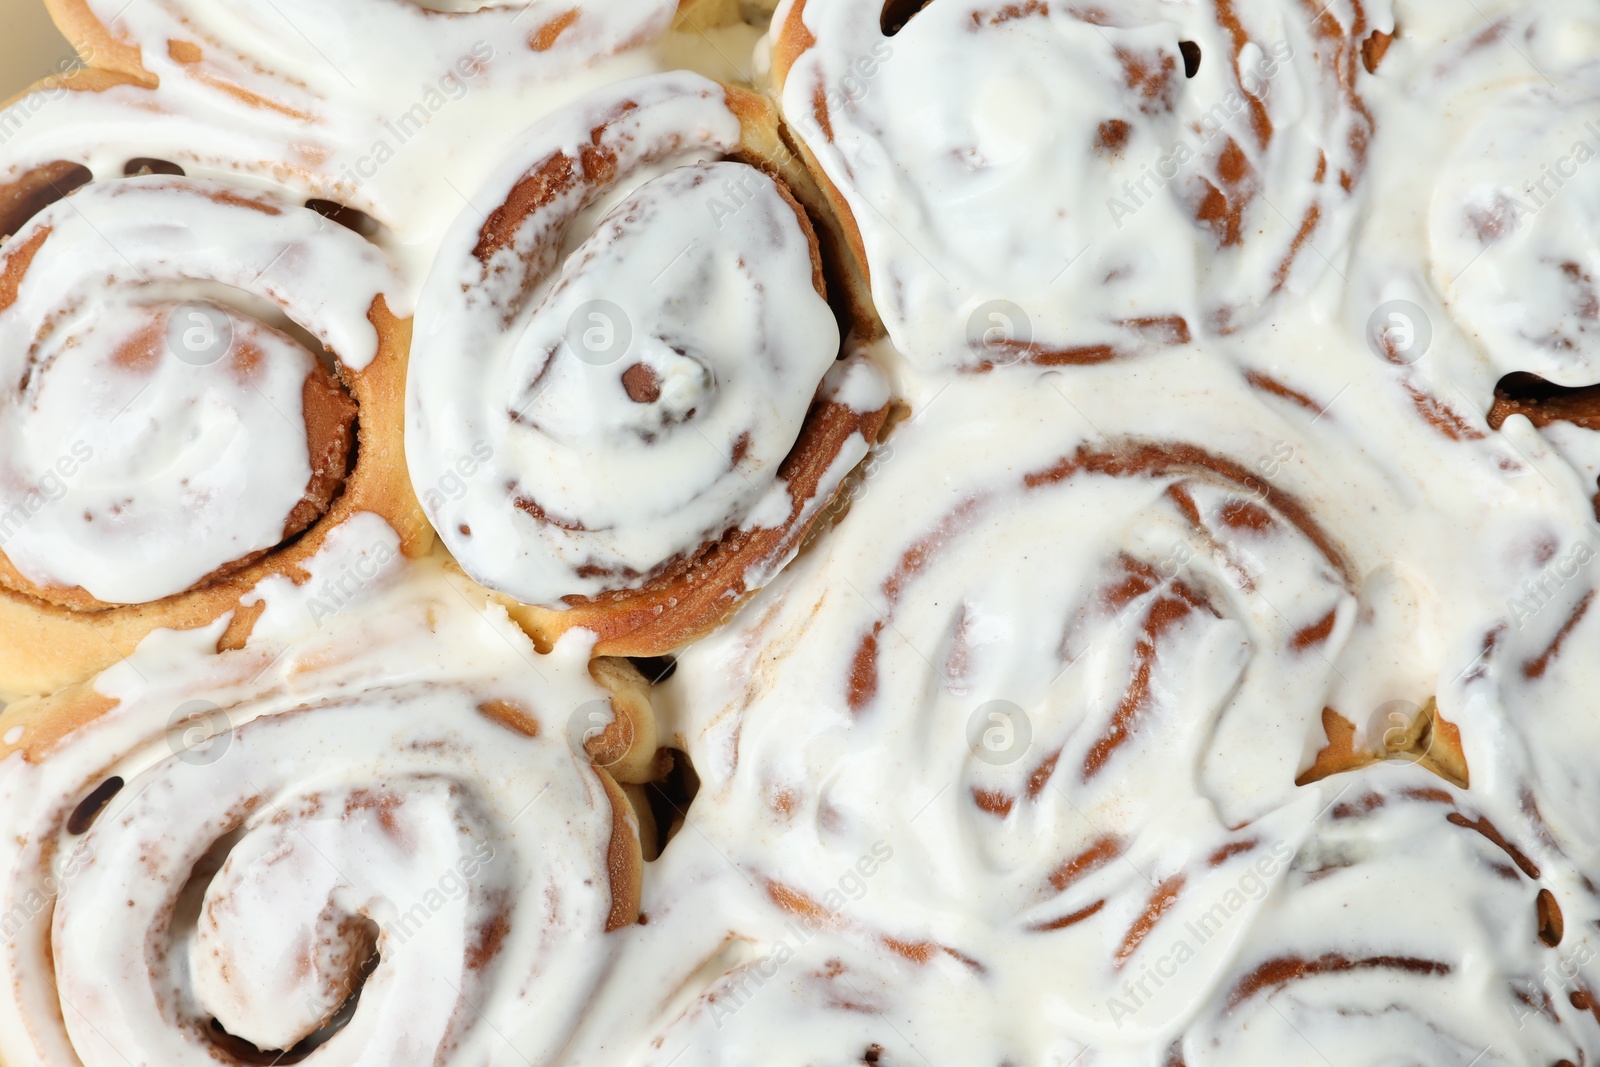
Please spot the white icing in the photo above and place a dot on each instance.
(477, 854)
(976, 589)
(701, 279)
(1054, 190)
(1435, 558)
(148, 444)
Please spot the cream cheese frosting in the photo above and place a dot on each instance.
(157, 431)
(1202, 695)
(635, 394)
(1097, 183)
(386, 816)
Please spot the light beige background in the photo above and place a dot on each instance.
(30, 47)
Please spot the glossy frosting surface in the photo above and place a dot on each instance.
(1034, 757)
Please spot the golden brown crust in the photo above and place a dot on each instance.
(649, 828)
(44, 647)
(97, 44)
(699, 15)
(38, 725)
(1429, 740)
(792, 40)
(624, 857)
(769, 144)
(697, 593)
(626, 748)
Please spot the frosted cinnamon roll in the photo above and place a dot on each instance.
(1504, 195)
(1107, 692)
(307, 63)
(383, 843)
(1350, 960)
(1473, 278)
(95, 125)
(204, 383)
(1079, 183)
(626, 404)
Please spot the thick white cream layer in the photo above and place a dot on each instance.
(621, 402)
(156, 431)
(1072, 188)
(886, 872)
(343, 798)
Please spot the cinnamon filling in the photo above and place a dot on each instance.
(331, 419)
(89, 807)
(141, 166)
(1544, 403)
(360, 939)
(1191, 58)
(330, 416)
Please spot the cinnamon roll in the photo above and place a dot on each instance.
(1111, 693)
(1474, 276)
(626, 406)
(1354, 960)
(310, 64)
(1080, 183)
(382, 843)
(95, 125)
(1510, 251)
(204, 382)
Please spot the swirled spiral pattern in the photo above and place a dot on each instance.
(1130, 787)
(648, 415)
(1098, 182)
(204, 382)
(380, 845)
